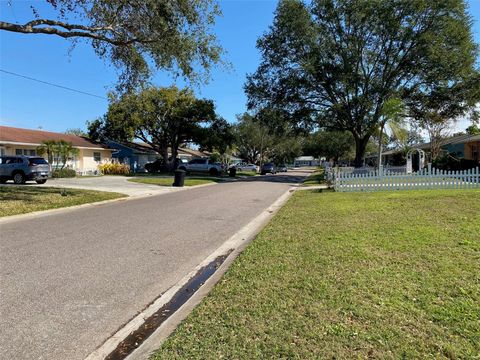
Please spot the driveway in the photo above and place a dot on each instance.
(111, 183)
(69, 280)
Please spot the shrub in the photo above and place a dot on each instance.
(64, 173)
(452, 164)
(114, 169)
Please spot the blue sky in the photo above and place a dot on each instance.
(28, 104)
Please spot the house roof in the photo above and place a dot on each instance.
(195, 153)
(144, 148)
(11, 135)
(305, 158)
(462, 139)
(141, 148)
(459, 139)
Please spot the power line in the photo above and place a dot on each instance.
(51, 84)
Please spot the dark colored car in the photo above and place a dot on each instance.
(268, 168)
(23, 168)
(158, 165)
(155, 166)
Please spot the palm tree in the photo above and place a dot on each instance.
(47, 147)
(65, 150)
(393, 116)
(60, 150)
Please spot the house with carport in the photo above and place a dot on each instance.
(18, 141)
(137, 154)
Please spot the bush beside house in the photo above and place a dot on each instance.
(64, 173)
(114, 169)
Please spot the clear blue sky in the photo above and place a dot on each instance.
(28, 104)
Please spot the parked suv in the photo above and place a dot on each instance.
(202, 165)
(23, 168)
(268, 168)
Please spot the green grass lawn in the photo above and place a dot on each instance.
(388, 275)
(168, 181)
(317, 178)
(16, 200)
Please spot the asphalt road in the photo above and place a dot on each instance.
(69, 280)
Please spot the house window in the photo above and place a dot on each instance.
(474, 152)
(2, 151)
(97, 157)
(26, 152)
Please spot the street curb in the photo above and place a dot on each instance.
(234, 245)
(41, 213)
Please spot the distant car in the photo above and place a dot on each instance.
(268, 168)
(155, 166)
(246, 167)
(202, 165)
(23, 168)
(158, 165)
(282, 168)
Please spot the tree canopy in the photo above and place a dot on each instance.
(136, 36)
(333, 145)
(164, 118)
(473, 130)
(251, 138)
(334, 64)
(256, 142)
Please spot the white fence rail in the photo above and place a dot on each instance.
(424, 179)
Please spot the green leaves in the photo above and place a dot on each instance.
(164, 118)
(335, 63)
(137, 37)
(60, 150)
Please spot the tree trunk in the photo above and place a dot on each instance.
(174, 150)
(360, 147)
(164, 153)
(380, 140)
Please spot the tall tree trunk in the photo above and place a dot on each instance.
(380, 145)
(174, 150)
(164, 154)
(360, 147)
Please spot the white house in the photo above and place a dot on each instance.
(17, 141)
(306, 161)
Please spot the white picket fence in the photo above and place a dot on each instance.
(424, 179)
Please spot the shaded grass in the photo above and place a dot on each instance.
(168, 181)
(16, 200)
(317, 178)
(334, 275)
(247, 173)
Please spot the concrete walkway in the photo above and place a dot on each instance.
(111, 183)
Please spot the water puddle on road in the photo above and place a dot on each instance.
(137, 337)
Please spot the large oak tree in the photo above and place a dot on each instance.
(164, 118)
(136, 36)
(333, 64)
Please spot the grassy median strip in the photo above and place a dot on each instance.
(168, 181)
(16, 200)
(356, 275)
(317, 178)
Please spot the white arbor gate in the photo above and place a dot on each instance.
(423, 179)
(421, 160)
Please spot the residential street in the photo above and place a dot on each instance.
(70, 280)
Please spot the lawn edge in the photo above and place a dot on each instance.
(12, 218)
(235, 245)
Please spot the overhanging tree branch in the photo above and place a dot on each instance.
(95, 33)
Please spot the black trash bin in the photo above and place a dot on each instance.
(232, 172)
(179, 178)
